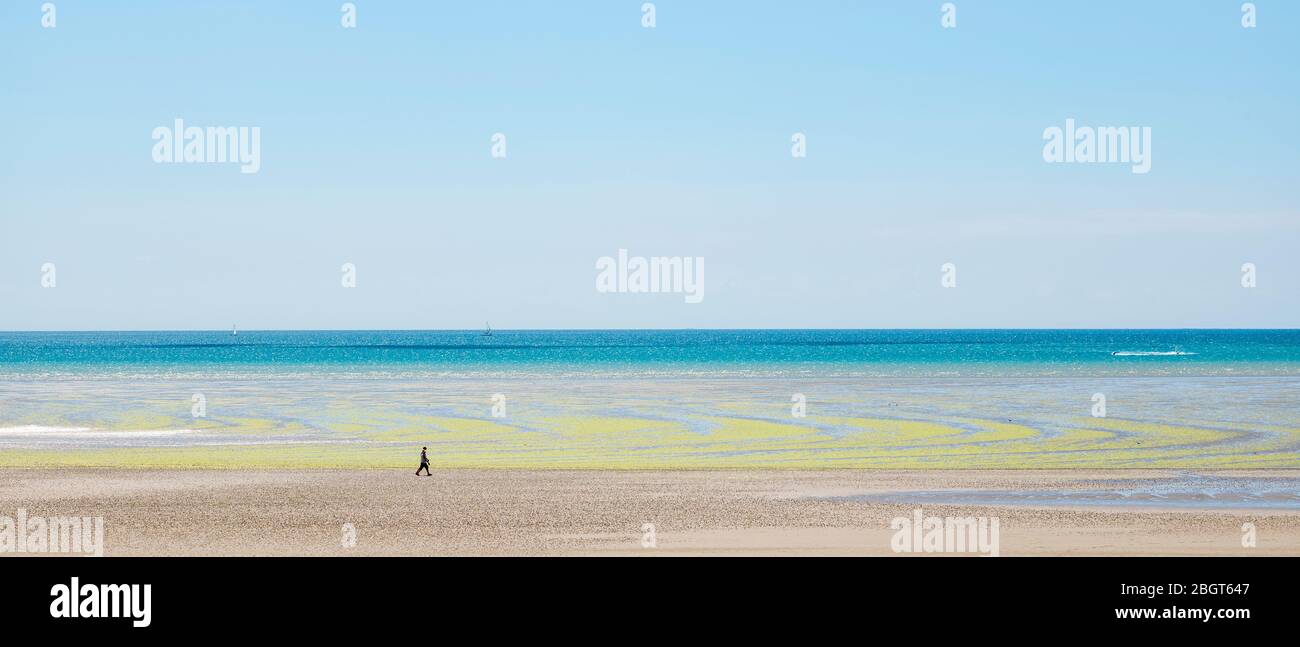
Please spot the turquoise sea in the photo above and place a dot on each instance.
(654, 352)
(906, 399)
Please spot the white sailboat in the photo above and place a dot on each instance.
(488, 332)
(234, 330)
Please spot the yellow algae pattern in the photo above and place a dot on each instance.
(644, 424)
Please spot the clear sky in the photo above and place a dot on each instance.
(925, 146)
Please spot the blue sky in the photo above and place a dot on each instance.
(924, 147)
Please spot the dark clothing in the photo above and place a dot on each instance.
(424, 464)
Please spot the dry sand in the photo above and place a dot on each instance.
(551, 512)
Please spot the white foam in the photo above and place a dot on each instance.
(87, 432)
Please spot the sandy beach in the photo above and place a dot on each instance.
(582, 512)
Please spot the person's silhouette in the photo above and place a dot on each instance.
(424, 463)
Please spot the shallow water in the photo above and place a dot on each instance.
(1199, 491)
(654, 399)
(915, 423)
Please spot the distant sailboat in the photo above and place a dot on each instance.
(488, 332)
(234, 330)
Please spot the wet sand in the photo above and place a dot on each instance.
(582, 512)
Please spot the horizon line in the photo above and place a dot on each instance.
(507, 330)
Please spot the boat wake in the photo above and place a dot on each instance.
(1150, 353)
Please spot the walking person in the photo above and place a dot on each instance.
(424, 462)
